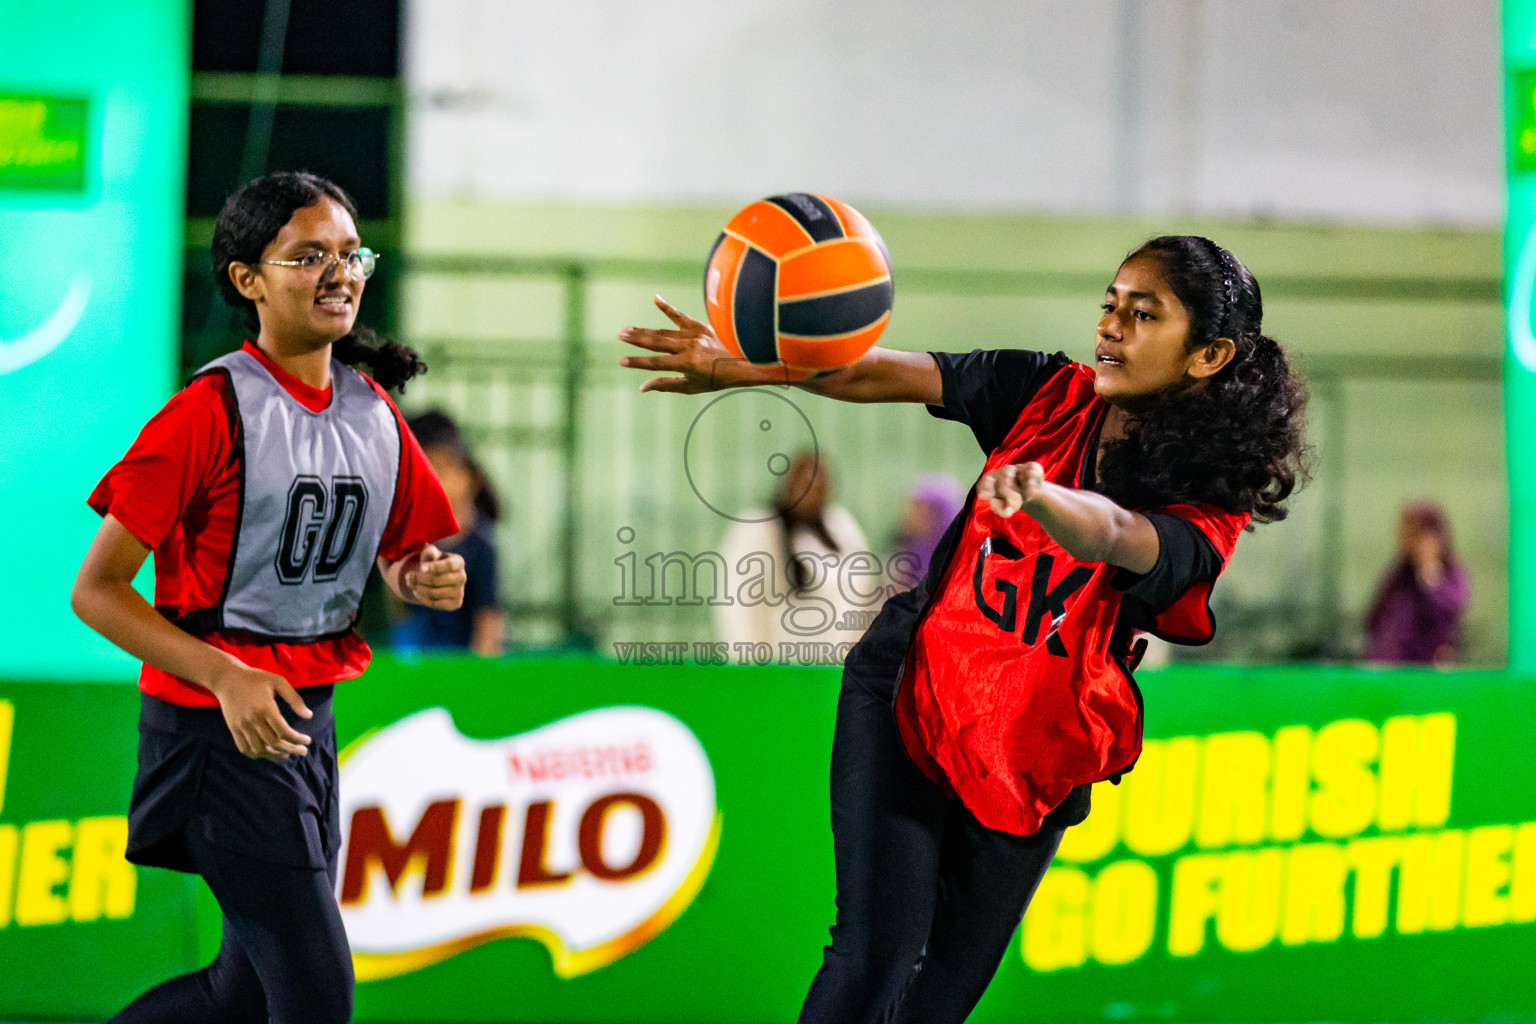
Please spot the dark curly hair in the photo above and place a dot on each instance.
(1236, 441)
(252, 217)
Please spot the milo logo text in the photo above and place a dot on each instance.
(591, 835)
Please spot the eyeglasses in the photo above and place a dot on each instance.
(360, 262)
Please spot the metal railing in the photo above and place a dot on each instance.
(589, 423)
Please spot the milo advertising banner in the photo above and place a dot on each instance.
(581, 841)
(611, 833)
(79, 925)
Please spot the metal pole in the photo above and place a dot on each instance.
(1127, 103)
(1184, 169)
(575, 370)
(1330, 393)
(269, 64)
(259, 122)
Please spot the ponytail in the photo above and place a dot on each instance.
(389, 362)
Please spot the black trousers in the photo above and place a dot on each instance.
(927, 897)
(283, 957)
(265, 837)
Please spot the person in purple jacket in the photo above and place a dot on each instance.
(1418, 607)
(935, 501)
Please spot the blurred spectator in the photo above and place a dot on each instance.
(1420, 602)
(802, 542)
(478, 625)
(935, 501)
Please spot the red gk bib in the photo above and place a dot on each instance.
(1011, 694)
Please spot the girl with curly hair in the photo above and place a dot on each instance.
(982, 704)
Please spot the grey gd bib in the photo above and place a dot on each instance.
(315, 494)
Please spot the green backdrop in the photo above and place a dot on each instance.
(1520, 355)
(93, 112)
(1295, 845)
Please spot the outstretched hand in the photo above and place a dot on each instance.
(690, 351)
(1010, 488)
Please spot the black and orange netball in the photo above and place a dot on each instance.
(799, 280)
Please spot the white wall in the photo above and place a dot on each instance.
(1359, 110)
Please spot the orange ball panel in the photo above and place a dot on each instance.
(832, 267)
(770, 228)
(831, 352)
(720, 291)
(855, 224)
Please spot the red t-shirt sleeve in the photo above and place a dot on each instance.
(421, 513)
(168, 464)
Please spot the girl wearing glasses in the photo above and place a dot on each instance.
(267, 489)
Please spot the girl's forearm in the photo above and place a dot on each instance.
(883, 375)
(120, 613)
(879, 375)
(1092, 528)
(394, 574)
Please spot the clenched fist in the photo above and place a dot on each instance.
(435, 578)
(1011, 488)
